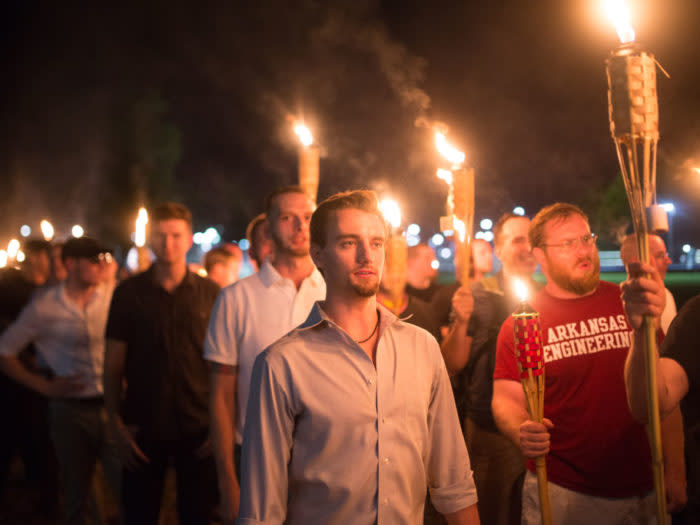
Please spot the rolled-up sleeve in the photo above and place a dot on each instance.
(450, 479)
(267, 442)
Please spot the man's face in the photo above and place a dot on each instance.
(353, 257)
(170, 240)
(225, 273)
(514, 249)
(483, 256)
(85, 271)
(289, 224)
(658, 255)
(576, 268)
(420, 266)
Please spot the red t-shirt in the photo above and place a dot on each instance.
(597, 448)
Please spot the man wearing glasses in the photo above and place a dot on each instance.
(598, 461)
(66, 323)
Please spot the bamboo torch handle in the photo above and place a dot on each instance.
(654, 427)
(545, 509)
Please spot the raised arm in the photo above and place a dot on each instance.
(456, 346)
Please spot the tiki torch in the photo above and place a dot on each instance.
(143, 253)
(308, 161)
(634, 124)
(527, 339)
(46, 230)
(396, 252)
(460, 202)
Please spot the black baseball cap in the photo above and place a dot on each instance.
(84, 248)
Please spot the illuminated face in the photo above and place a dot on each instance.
(657, 254)
(289, 224)
(514, 249)
(575, 267)
(483, 256)
(353, 258)
(85, 271)
(225, 273)
(170, 240)
(422, 267)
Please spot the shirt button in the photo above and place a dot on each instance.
(385, 460)
(385, 501)
(370, 381)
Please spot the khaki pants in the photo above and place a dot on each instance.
(498, 468)
(574, 508)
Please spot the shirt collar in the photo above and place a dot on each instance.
(318, 316)
(269, 275)
(188, 280)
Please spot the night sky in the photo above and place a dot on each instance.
(107, 107)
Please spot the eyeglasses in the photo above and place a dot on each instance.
(105, 257)
(571, 244)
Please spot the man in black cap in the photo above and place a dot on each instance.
(66, 323)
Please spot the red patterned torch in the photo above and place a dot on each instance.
(527, 334)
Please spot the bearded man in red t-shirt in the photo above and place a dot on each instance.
(598, 460)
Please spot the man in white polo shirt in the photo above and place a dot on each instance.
(249, 316)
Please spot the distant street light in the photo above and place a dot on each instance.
(519, 210)
(77, 231)
(486, 224)
(25, 230)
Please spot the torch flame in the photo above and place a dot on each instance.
(391, 212)
(447, 150)
(304, 134)
(3, 258)
(46, 229)
(140, 233)
(521, 290)
(12, 248)
(460, 228)
(445, 175)
(619, 14)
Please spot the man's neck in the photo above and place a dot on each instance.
(169, 276)
(79, 293)
(389, 301)
(294, 268)
(557, 291)
(356, 315)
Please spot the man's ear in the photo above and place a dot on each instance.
(540, 257)
(315, 252)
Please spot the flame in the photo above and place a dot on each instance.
(77, 231)
(460, 228)
(12, 248)
(391, 212)
(697, 170)
(304, 134)
(3, 258)
(46, 229)
(445, 175)
(521, 290)
(140, 233)
(619, 14)
(447, 150)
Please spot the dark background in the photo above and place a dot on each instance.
(105, 107)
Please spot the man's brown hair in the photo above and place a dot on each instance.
(172, 210)
(364, 200)
(558, 211)
(270, 199)
(218, 255)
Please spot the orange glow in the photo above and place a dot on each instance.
(619, 14)
(140, 233)
(447, 150)
(304, 134)
(461, 229)
(520, 289)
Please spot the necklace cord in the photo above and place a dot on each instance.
(370, 335)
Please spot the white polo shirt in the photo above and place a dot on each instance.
(250, 315)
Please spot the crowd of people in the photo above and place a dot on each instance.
(311, 392)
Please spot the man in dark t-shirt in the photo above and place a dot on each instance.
(155, 336)
(678, 370)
